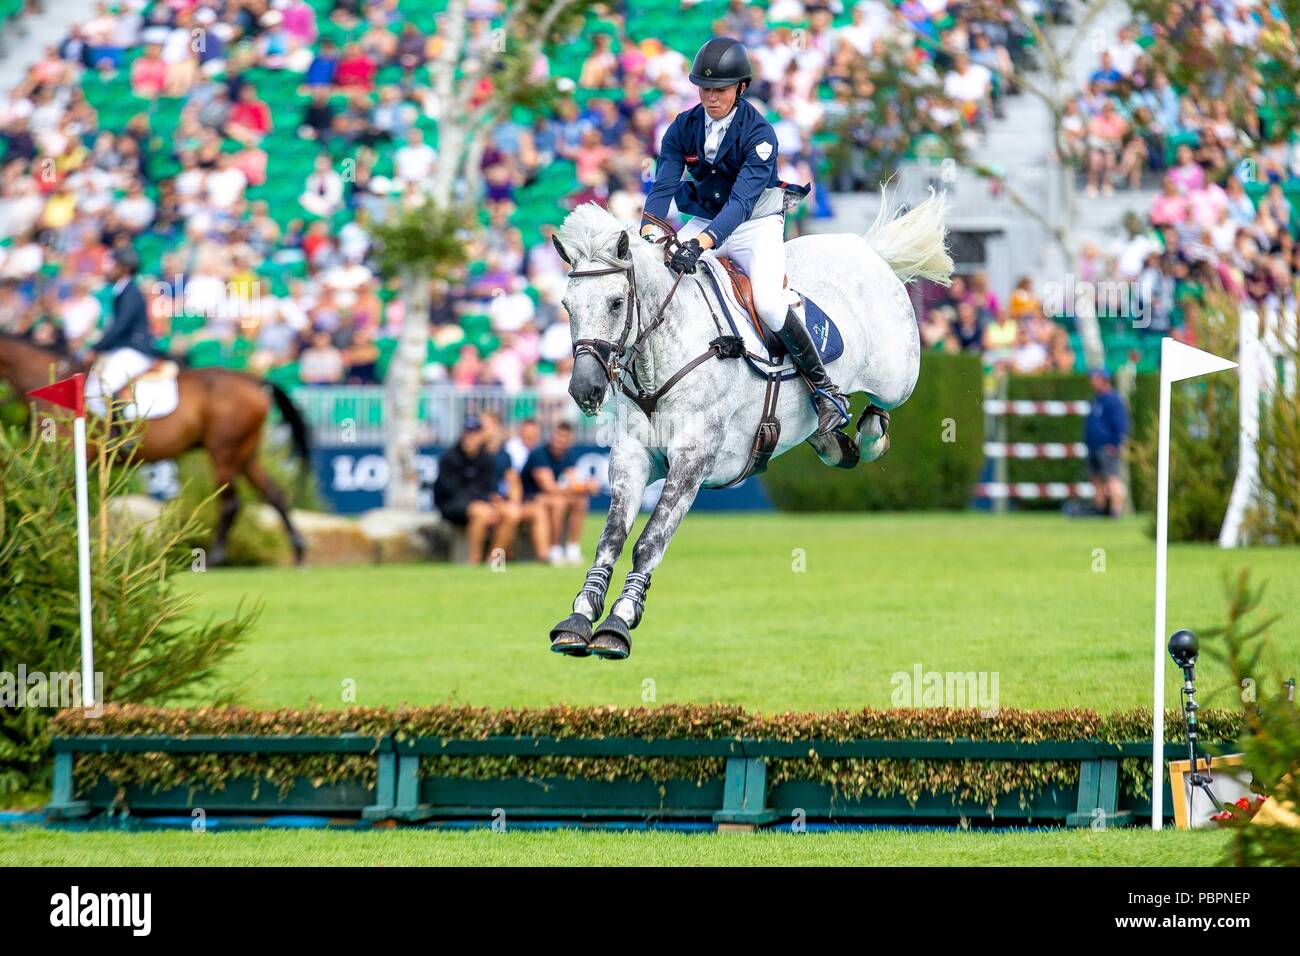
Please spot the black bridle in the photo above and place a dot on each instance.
(610, 354)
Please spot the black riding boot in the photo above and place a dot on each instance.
(832, 409)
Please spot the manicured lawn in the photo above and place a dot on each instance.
(774, 612)
(484, 848)
(1060, 610)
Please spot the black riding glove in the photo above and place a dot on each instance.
(686, 256)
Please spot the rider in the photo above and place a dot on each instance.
(126, 346)
(738, 203)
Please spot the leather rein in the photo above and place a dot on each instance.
(611, 354)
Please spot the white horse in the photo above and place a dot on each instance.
(632, 316)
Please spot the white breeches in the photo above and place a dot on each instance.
(114, 370)
(758, 247)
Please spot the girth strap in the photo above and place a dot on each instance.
(766, 437)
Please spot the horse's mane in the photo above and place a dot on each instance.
(589, 233)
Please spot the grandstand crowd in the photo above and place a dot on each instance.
(1226, 166)
(247, 149)
(250, 168)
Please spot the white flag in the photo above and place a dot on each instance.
(1179, 361)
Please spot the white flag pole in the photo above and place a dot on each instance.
(1177, 362)
(83, 563)
(1162, 562)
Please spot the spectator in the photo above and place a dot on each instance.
(318, 117)
(1105, 432)
(1106, 132)
(79, 315)
(135, 211)
(323, 195)
(413, 163)
(149, 74)
(465, 493)
(323, 67)
(356, 68)
(510, 491)
(321, 363)
(363, 357)
(550, 474)
(250, 118)
(520, 445)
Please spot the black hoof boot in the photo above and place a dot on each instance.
(612, 640)
(837, 449)
(572, 636)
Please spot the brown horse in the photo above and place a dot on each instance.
(220, 410)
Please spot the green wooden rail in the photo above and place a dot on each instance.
(743, 798)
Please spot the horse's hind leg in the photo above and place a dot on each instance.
(613, 639)
(228, 503)
(257, 475)
(629, 470)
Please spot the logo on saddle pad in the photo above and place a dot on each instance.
(764, 150)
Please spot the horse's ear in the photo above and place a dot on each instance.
(622, 244)
(560, 248)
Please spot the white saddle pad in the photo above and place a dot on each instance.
(154, 398)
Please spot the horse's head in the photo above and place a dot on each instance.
(599, 297)
(27, 364)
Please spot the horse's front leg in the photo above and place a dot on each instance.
(686, 472)
(629, 471)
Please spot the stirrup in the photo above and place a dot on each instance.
(833, 396)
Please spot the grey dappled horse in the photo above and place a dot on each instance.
(688, 414)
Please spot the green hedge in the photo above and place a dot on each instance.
(978, 779)
(935, 454)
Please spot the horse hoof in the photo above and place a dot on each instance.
(837, 449)
(612, 640)
(571, 636)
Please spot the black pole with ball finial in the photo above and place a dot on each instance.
(1184, 649)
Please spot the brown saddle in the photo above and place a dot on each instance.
(745, 294)
(744, 291)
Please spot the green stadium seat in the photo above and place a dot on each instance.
(286, 376)
(475, 324)
(205, 354)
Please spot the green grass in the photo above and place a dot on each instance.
(572, 847)
(728, 619)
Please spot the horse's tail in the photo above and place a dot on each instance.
(297, 428)
(914, 243)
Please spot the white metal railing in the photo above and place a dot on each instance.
(350, 415)
(1266, 369)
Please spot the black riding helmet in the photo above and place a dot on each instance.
(721, 62)
(127, 258)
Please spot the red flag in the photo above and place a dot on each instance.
(69, 393)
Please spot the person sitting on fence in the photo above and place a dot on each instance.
(510, 490)
(1104, 433)
(549, 475)
(465, 490)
